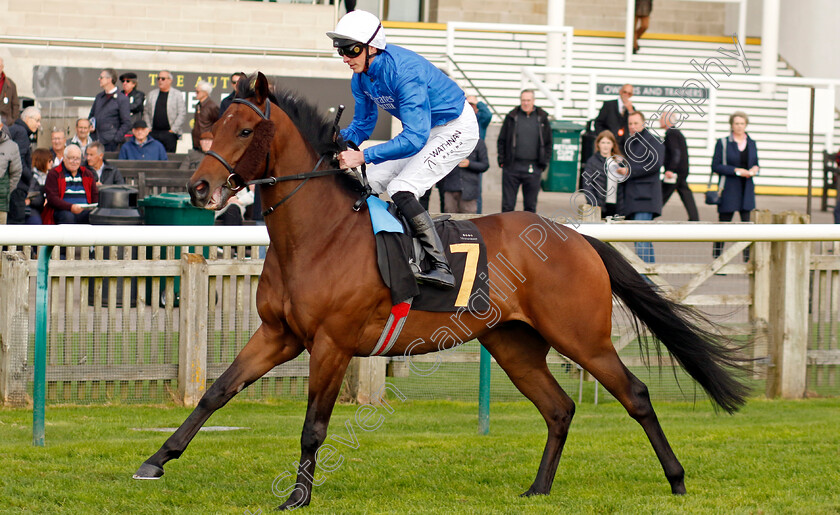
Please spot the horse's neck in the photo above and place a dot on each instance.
(312, 221)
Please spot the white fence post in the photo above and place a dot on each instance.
(192, 329)
(788, 327)
(14, 327)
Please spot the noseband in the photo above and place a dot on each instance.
(235, 182)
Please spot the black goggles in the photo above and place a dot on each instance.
(351, 51)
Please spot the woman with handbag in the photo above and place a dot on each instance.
(736, 162)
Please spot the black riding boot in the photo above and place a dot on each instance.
(439, 275)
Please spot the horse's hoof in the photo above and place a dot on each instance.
(531, 492)
(288, 505)
(678, 489)
(148, 471)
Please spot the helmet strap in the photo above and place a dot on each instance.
(367, 47)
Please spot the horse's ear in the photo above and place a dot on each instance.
(260, 87)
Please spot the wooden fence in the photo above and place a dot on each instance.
(160, 323)
(122, 326)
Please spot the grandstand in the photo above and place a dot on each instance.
(492, 62)
(286, 40)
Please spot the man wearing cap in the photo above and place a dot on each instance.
(109, 115)
(142, 147)
(194, 156)
(135, 98)
(439, 127)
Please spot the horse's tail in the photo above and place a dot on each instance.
(707, 356)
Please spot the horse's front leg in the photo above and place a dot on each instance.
(266, 349)
(327, 365)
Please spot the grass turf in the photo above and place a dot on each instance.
(773, 457)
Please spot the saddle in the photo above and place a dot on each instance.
(399, 256)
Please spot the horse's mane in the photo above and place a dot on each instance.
(313, 126)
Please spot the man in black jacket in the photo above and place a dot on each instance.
(110, 112)
(234, 80)
(524, 148)
(614, 113)
(676, 167)
(21, 132)
(136, 99)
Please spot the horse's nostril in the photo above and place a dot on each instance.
(199, 191)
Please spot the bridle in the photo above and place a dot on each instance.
(235, 182)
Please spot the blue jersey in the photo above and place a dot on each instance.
(410, 88)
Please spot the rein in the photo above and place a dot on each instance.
(235, 182)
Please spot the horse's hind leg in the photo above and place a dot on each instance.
(521, 352)
(265, 350)
(601, 360)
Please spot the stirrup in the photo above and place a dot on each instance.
(439, 276)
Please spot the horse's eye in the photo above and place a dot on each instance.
(244, 133)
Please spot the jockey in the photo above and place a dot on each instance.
(439, 126)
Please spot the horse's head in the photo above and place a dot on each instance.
(241, 142)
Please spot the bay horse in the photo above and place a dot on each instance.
(320, 291)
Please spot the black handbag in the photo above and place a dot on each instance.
(713, 197)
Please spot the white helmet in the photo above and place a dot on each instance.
(360, 27)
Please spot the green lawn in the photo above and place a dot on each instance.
(773, 457)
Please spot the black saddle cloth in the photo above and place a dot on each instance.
(461, 242)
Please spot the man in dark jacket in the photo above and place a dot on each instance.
(676, 167)
(106, 174)
(136, 99)
(110, 112)
(460, 188)
(524, 148)
(234, 80)
(642, 190)
(21, 132)
(614, 113)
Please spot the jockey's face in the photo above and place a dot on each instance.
(357, 64)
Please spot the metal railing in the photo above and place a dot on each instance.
(162, 47)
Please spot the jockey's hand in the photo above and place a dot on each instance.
(351, 159)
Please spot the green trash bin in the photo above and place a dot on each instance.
(172, 209)
(565, 150)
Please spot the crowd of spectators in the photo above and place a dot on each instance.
(60, 184)
(622, 176)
